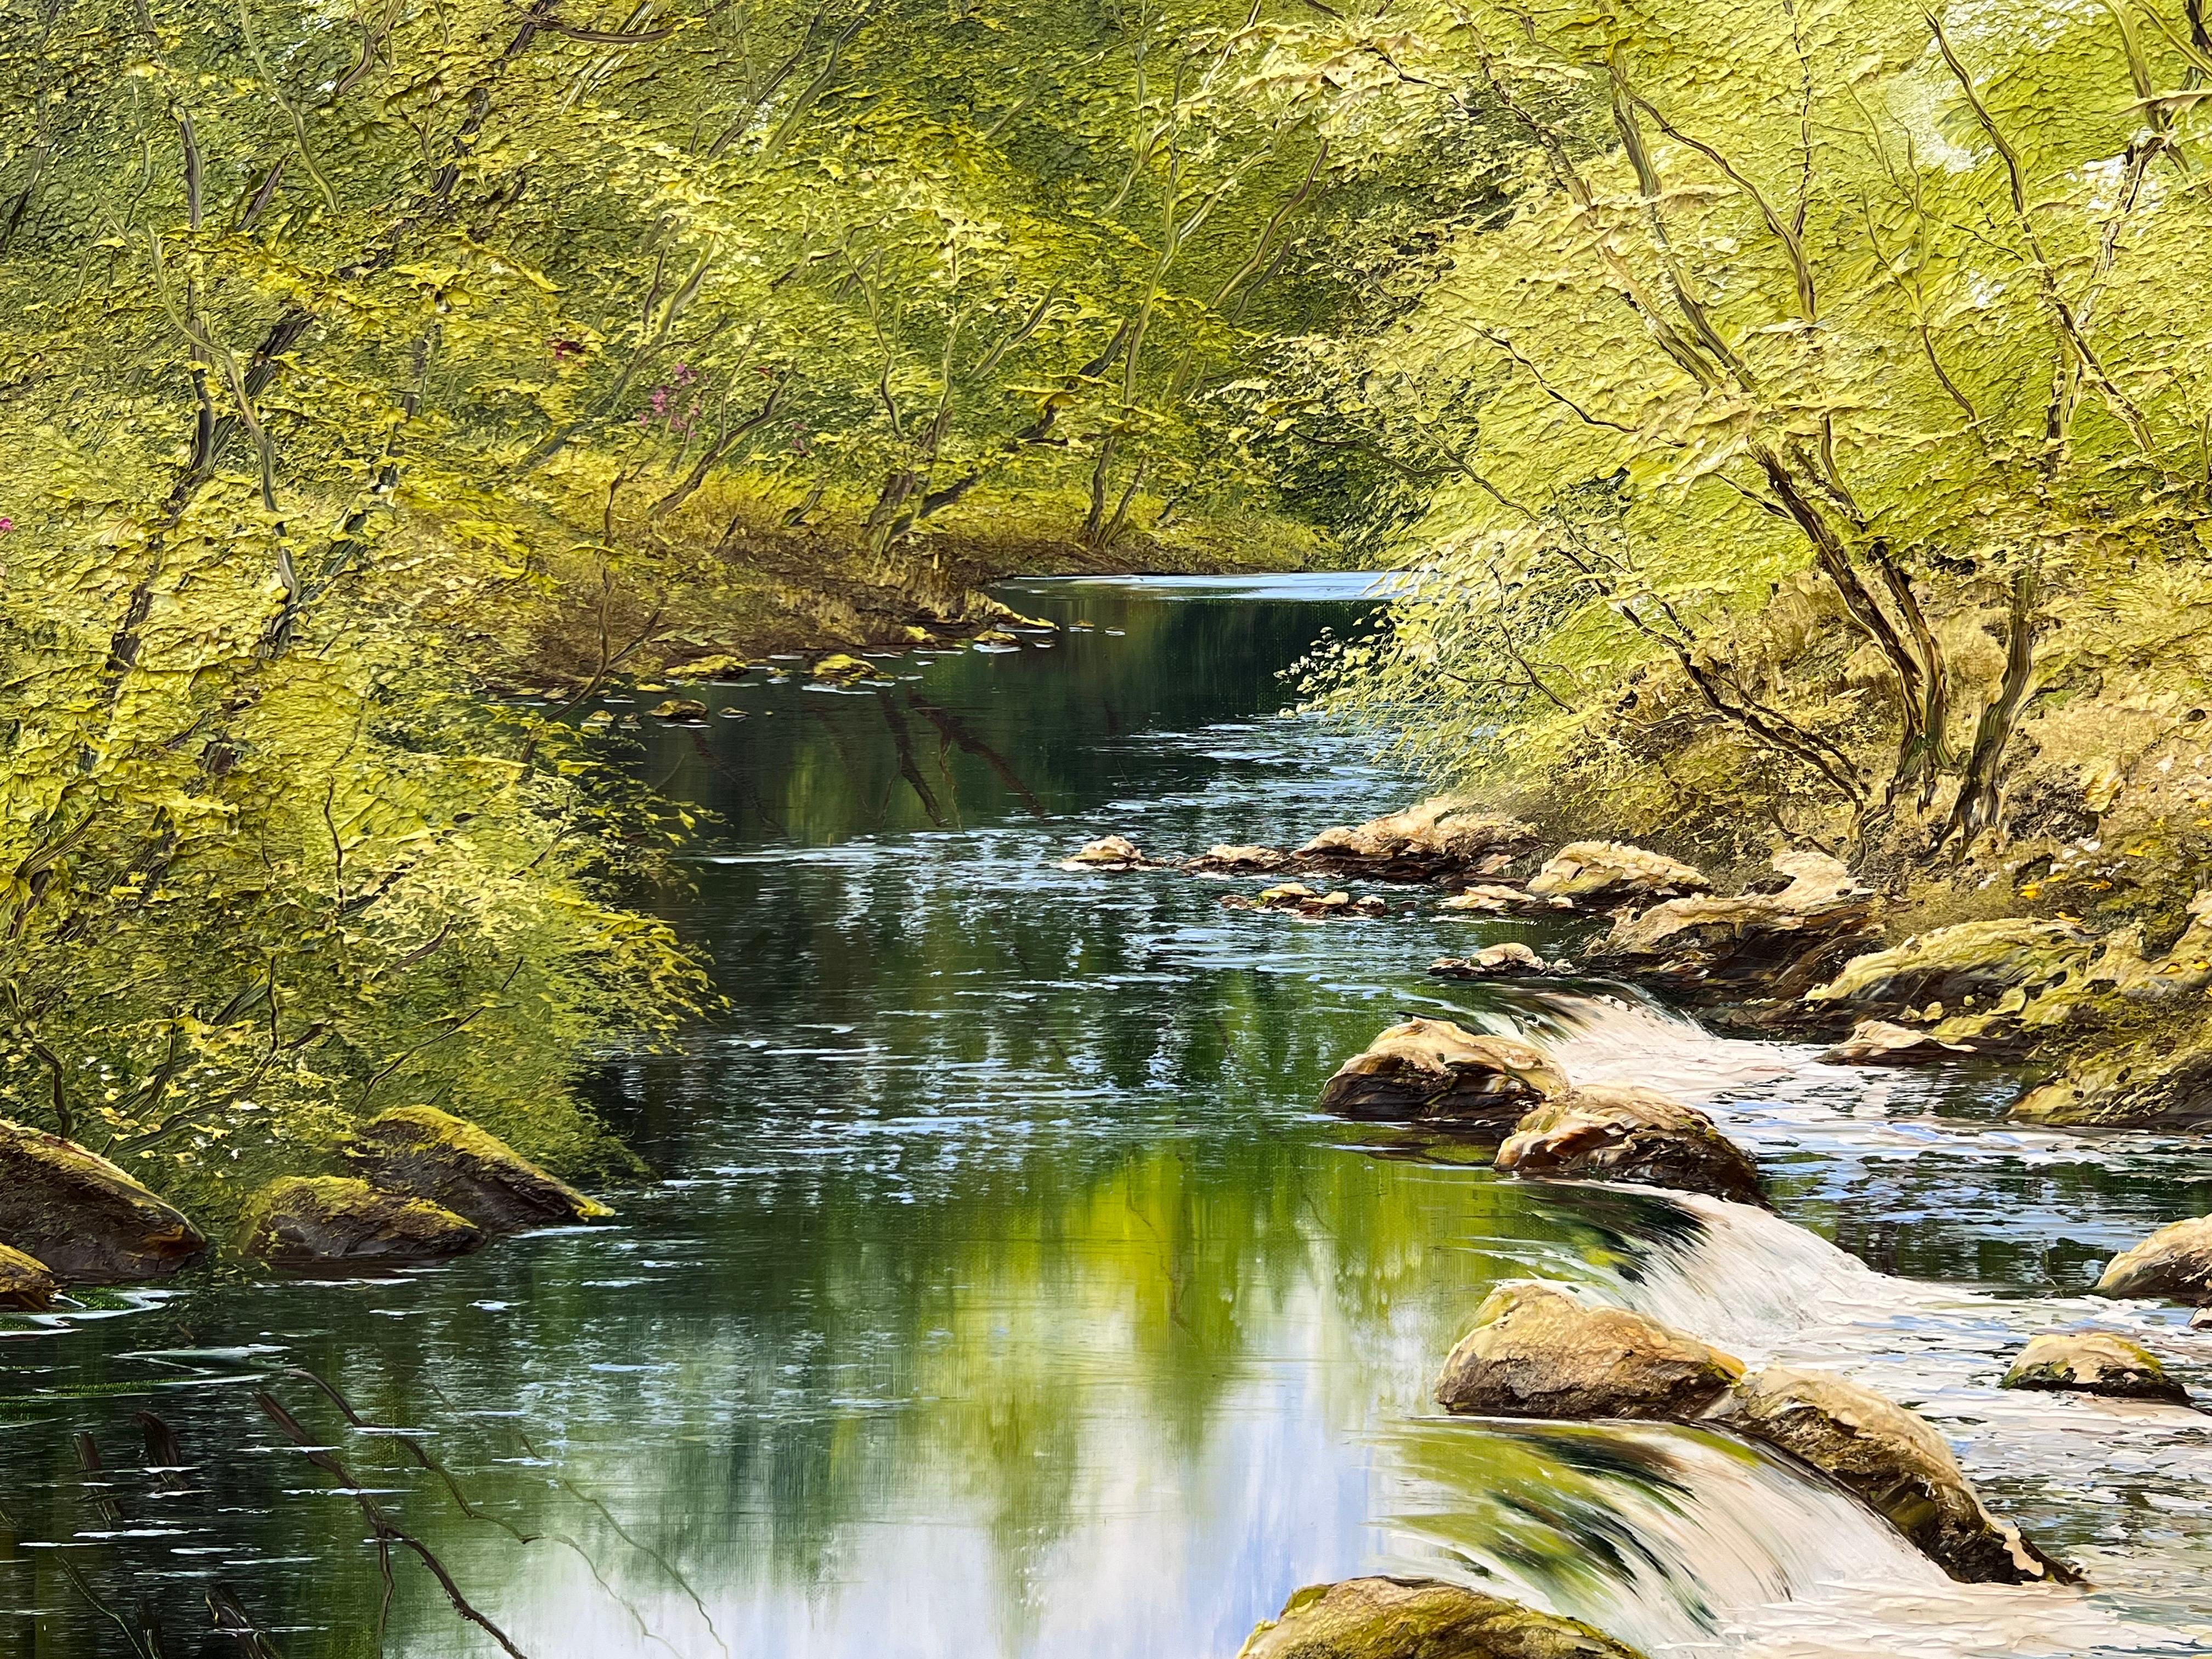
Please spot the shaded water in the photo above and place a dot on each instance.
(1005, 1298)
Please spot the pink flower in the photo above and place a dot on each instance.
(6, 525)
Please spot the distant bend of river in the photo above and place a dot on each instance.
(1005, 1296)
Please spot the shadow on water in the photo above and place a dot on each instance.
(1005, 1297)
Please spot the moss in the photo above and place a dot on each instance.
(1420, 1618)
(433, 1155)
(306, 1219)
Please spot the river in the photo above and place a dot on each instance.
(1002, 1295)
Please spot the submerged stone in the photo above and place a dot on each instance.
(1538, 1351)
(1420, 1618)
(1298, 899)
(2175, 1263)
(1599, 873)
(1879, 1043)
(2093, 1362)
(25, 1283)
(429, 1154)
(87, 1221)
(303, 1221)
(1223, 860)
(1893, 1461)
(1618, 1133)
(1433, 1070)
(1107, 852)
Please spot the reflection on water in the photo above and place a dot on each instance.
(1005, 1298)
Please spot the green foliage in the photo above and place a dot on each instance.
(1824, 416)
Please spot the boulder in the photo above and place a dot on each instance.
(1879, 1043)
(1776, 945)
(1223, 860)
(842, 665)
(2150, 1083)
(2093, 1362)
(1509, 960)
(1433, 1070)
(305, 1221)
(1298, 899)
(1538, 1350)
(1432, 841)
(2174, 1264)
(26, 1285)
(426, 1153)
(86, 1219)
(1620, 1133)
(1892, 1461)
(1420, 1618)
(1598, 874)
(679, 709)
(1947, 966)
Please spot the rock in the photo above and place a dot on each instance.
(1433, 1070)
(1601, 873)
(1893, 1461)
(996, 637)
(1878, 1042)
(842, 665)
(1223, 860)
(1615, 1132)
(87, 1220)
(1538, 1350)
(426, 1153)
(679, 709)
(1776, 944)
(1490, 899)
(1948, 966)
(2147, 1085)
(1493, 962)
(2174, 1264)
(2093, 1362)
(300, 1221)
(1107, 852)
(1431, 841)
(1420, 1618)
(26, 1285)
(1299, 899)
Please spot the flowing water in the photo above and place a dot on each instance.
(1003, 1295)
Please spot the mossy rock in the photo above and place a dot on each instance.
(1434, 1070)
(2150, 1084)
(306, 1221)
(1538, 1351)
(26, 1285)
(1431, 841)
(1601, 872)
(1617, 1133)
(842, 665)
(1420, 1618)
(1894, 1462)
(426, 1153)
(2100, 1362)
(1947, 965)
(87, 1220)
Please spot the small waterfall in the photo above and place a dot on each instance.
(1685, 1542)
(1746, 1281)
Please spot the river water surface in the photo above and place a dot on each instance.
(1005, 1296)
